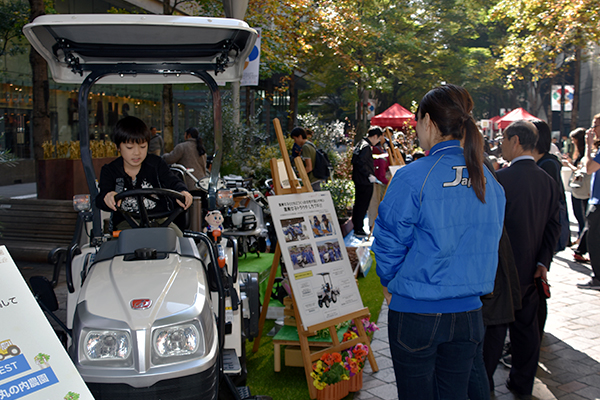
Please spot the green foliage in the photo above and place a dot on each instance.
(7, 158)
(342, 194)
(243, 144)
(325, 135)
(14, 14)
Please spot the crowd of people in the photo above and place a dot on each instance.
(464, 239)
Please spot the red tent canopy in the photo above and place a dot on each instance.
(395, 116)
(515, 115)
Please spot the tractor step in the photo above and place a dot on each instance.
(231, 363)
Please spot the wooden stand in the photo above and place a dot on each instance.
(308, 357)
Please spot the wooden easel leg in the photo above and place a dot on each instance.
(265, 307)
(305, 349)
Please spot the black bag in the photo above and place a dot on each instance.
(322, 167)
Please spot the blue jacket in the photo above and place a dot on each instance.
(436, 243)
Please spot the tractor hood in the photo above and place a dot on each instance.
(75, 44)
(141, 292)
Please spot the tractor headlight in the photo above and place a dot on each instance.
(107, 345)
(177, 340)
(225, 198)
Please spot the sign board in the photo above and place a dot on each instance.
(250, 76)
(315, 256)
(34, 364)
(558, 94)
(370, 108)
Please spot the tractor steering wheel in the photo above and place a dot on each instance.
(143, 215)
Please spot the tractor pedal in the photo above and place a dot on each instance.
(231, 363)
(244, 392)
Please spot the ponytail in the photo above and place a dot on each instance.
(474, 157)
(449, 107)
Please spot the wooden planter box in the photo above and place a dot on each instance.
(61, 178)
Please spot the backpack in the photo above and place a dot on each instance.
(322, 167)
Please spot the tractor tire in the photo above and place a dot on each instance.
(327, 303)
(320, 306)
(2, 356)
(334, 297)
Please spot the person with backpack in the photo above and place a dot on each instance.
(315, 161)
(363, 175)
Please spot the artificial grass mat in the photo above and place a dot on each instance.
(290, 383)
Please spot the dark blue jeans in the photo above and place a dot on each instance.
(433, 353)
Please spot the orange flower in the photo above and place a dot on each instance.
(327, 359)
(337, 357)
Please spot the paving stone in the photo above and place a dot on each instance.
(572, 386)
(591, 380)
(570, 354)
(387, 392)
(592, 393)
(378, 345)
(572, 396)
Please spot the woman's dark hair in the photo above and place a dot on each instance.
(131, 130)
(193, 133)
(544, 137)
(578, 135)
(449, 108)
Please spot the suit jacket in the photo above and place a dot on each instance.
(532, 216)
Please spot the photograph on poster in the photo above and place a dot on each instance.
(302, 256)
(294, 229)
(321, 225)
(329, 251)
(323, 286)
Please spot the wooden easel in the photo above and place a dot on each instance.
(303, 334)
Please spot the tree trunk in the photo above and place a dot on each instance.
(167, 105)
(40, 128)
(167, 96)
(293, 108)
(577, 75)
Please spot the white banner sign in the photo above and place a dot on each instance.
(556, 97)
(315, 256)
(34, 363)
(250, 76)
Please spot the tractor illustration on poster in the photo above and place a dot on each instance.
(7, 348)
(328, 293)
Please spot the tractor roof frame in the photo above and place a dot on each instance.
(142, 49)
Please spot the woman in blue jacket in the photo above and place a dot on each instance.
(436, 247)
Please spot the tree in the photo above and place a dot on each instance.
(41, 90)
(169, 8)
(541, 34)
(14, 15)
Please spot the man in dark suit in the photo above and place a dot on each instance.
(533, 226)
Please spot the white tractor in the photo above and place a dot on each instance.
(151, 315)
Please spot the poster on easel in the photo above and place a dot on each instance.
(33, 363)
(317, 263)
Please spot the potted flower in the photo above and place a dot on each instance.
(355, 357)
(330, 377)
(354, 361)
(370, 327)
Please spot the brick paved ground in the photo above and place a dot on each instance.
(569, 367)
